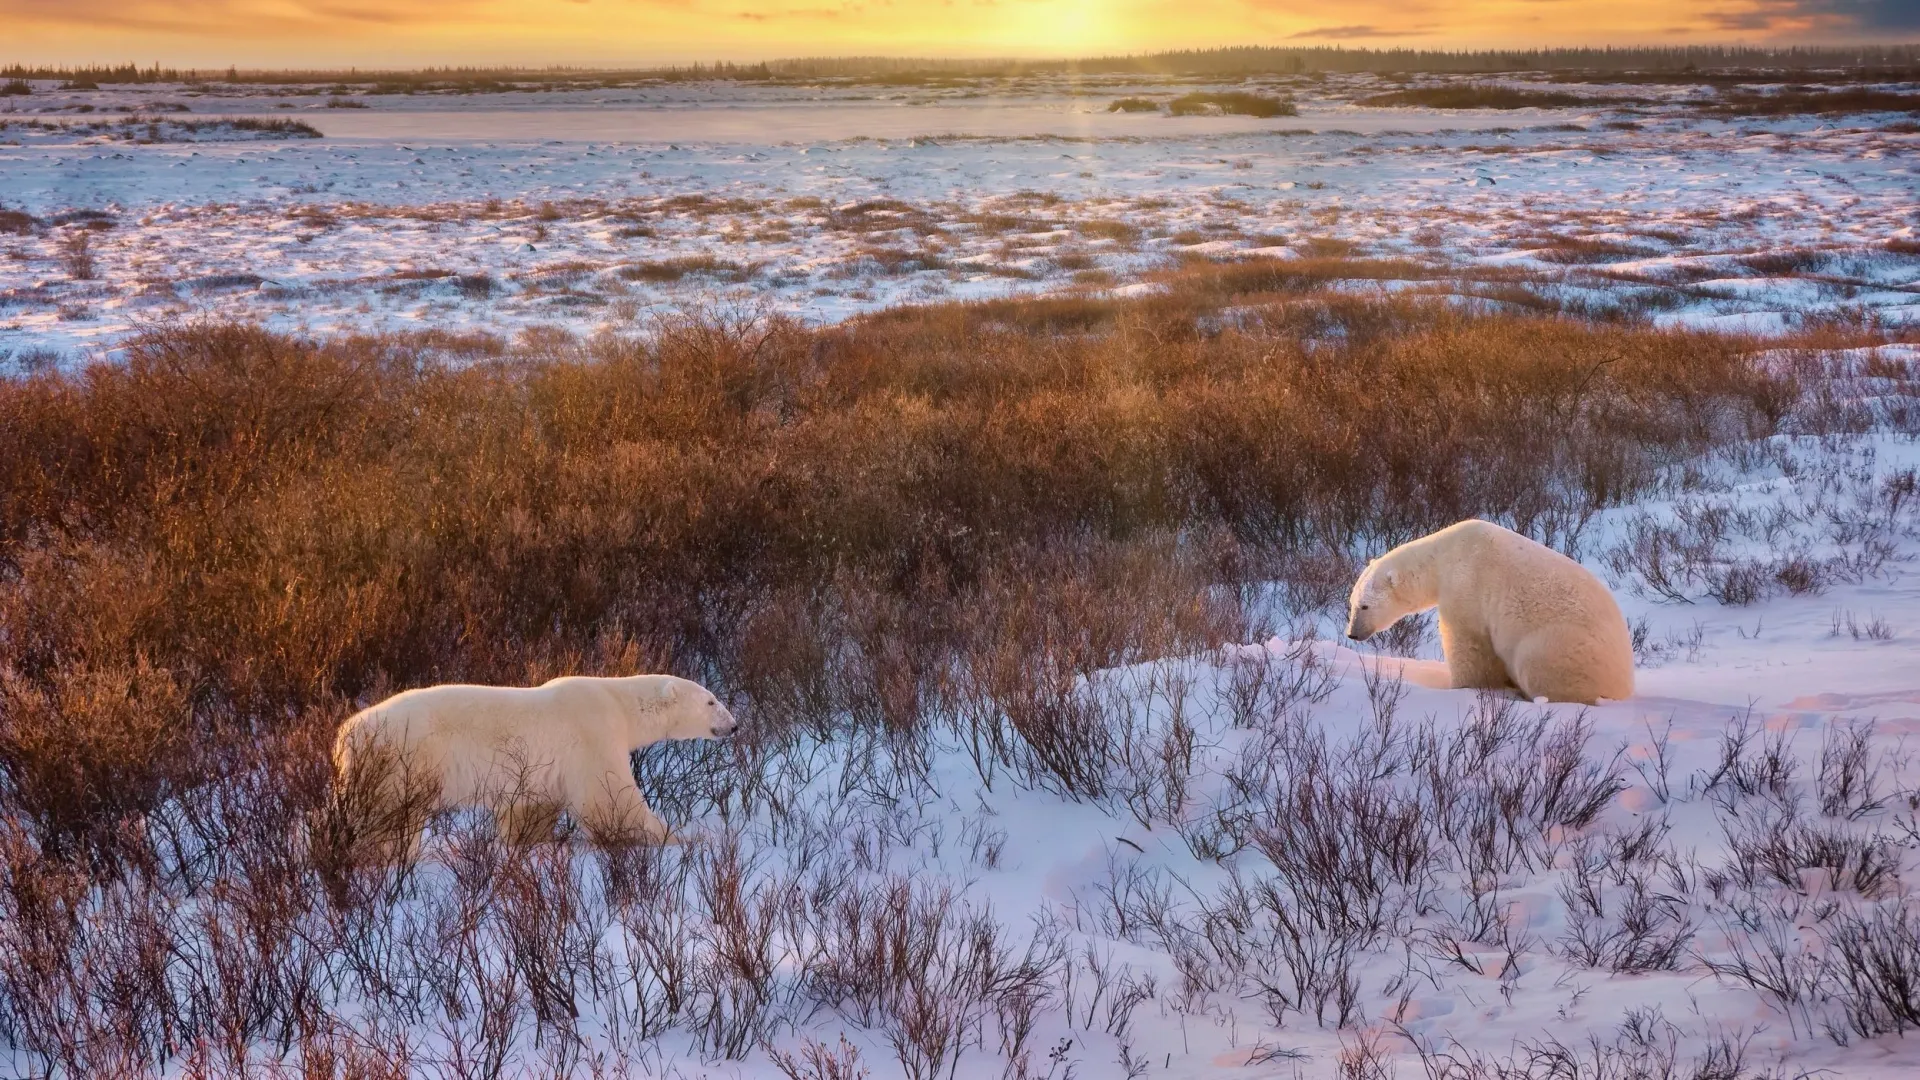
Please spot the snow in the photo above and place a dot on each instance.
(1784, 668)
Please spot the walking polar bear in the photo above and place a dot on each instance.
(525, 753)
(1513, 613)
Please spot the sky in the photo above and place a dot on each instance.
(372, 33)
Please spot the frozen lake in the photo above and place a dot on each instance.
(584, 210)
(805, 121)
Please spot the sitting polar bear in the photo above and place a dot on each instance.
(525, 753)
(1513, 613)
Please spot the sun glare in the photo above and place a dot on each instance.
(1072, 28)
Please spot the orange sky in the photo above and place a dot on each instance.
(281, 33)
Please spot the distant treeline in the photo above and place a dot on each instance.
(467, 77)
(1258, 60)
(1893, 60)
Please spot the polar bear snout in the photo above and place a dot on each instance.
(723, 723)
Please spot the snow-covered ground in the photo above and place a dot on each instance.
(585, 210)
(1312, 863)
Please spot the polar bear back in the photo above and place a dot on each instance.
(473, 739)
(1512, 585)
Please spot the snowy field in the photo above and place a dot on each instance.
(1314, 864)
(1309, 862)
(583, 211)
(1299, 860)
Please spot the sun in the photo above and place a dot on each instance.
(1064, 28)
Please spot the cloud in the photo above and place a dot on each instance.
(1360, 31)
(1869, 14)
(172, 16)
(799, 13)
(1347, 32)
(304, 32)
(1780, 16)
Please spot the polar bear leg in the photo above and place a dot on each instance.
(387, 804)
(617, 814)
(1557, 663)
(407, 850)
(396, 847)
(525, 822)
(1471, 660)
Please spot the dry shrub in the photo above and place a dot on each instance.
(369, 822)
(272, 521)
(1109, 229)
(76, 255)
(667, 270)
(1325, 265)
(1231, 103)
(1799, 100)
(213, 549)
(86, 749)
(1478, 96)
(818, 1061)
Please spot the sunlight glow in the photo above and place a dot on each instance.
(630, 32)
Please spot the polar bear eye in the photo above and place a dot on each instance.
(1363, 607)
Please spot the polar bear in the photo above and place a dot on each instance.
(1513, 613)
(525, 753)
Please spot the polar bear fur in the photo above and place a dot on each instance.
(525, 753)
(1513, 613)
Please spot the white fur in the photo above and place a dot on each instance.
(1513, 613)
(528, 752)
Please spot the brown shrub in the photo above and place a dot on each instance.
(269, 521)
(1476, 96)
(84, 750)
(211, 550)
(1794, 101)
(272, 520)
(269, 524)
(1108, 229)
(76, 255)
(666, 270)
(1231, 103)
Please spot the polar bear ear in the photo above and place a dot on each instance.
(1392, 578)
(664, 693)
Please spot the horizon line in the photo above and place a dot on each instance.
(1811, 49)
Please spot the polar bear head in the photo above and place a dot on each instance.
(675, 708)
(1378, 601)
